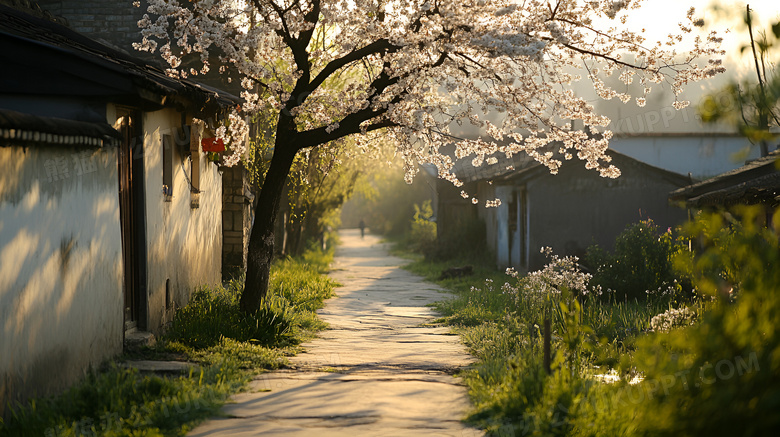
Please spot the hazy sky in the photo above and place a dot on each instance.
(659, 17)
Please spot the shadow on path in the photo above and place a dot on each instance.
(375, 372)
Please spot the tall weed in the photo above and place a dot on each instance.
(641, 263)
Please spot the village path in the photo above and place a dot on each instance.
(377, 371)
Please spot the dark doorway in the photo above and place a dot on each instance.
(132, 213)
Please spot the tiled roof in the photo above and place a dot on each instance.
(31, 41)
(758, 181)
(19, 128)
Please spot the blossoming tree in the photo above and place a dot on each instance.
(417, 68)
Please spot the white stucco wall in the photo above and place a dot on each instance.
(184, 244)
(60, 266)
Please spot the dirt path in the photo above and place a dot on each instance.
(375, 372)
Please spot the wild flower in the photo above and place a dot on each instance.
(663, 290)
(673, 318)
(559, 274)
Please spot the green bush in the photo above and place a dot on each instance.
(641, 263)
(422, 237)
(213, 314)
(722, 375)
(297, 289)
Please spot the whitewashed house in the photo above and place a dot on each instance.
(110, 212)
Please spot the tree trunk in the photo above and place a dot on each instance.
(261, 240)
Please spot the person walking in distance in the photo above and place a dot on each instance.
(362, 228)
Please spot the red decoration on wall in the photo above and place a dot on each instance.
(213, 145)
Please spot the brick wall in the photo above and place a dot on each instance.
(111, 21)
(236, 219)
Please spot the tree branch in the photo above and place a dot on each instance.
(602, 56)
(378, 46)
(598, 32)
(381, 125)
(347, 126)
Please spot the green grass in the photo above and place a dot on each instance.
(228, 345)
(679, 391)
(297, 288)
(511, 393)
(123, 402)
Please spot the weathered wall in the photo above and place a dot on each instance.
(491, 216)
(60, 266)
(577, 208)
(452, 209)
(184, 243)
(497, 228)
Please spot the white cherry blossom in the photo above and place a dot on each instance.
(418, 68)
(413, 71)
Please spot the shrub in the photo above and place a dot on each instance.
(422, 237)
(296, 290)
(640, 264)
(722, 375)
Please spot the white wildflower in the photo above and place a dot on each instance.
(673, 318)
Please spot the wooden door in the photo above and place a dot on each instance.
(132, 218)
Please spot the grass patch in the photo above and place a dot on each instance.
(511, 392)
(228, 345)
(123, 402)
(297, 288)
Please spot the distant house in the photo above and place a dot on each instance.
(755, 183)
(110, 212)
(568, 211)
